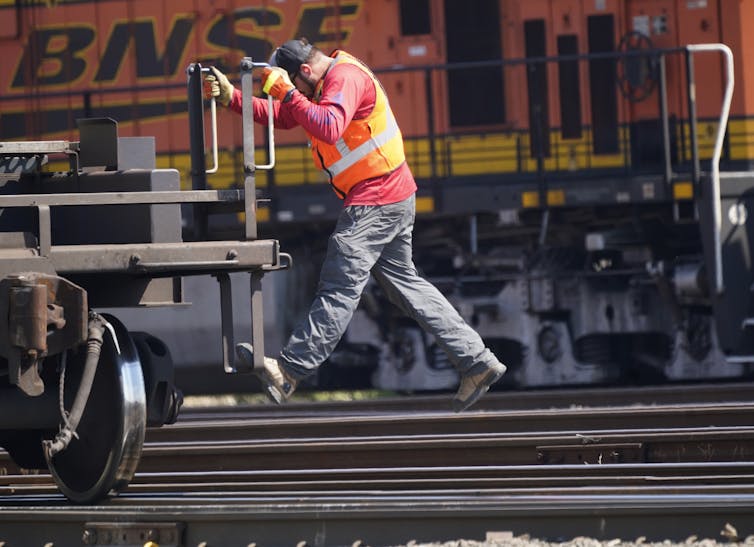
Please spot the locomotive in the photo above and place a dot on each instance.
(583, 169)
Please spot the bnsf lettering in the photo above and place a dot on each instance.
(222, 32)
(59, 49)
(148, 63)
(56, 55)
(313, 21)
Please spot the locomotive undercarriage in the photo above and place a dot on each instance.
(589, 299)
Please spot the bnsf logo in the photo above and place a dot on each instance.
(58, 55)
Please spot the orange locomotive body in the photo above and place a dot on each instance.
(562, 150)
(70, 59)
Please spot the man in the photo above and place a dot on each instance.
(356, 141)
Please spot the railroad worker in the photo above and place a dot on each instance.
(356, 141)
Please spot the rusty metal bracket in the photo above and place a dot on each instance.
(27, 331)
(40, 315)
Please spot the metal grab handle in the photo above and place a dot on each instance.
(270, 136)
(717, 152)
(285, 262)
(270, 126)
(213, 117)
(270, 129)
(249, 160)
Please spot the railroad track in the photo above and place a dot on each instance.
(385, 477)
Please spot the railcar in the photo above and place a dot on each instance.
(583, 170)
(77, 388)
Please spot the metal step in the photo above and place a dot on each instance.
(740, 359)
(37, 147)
(747, 323)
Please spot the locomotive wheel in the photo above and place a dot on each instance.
(111, 432)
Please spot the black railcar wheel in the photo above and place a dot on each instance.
(104, 457)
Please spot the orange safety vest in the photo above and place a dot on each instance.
(369, 147)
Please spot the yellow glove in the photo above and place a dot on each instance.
(218, 86)
(277, 84)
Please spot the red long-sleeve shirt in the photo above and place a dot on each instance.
(347, 93)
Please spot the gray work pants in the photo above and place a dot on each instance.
(377, 239)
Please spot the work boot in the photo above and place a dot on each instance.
(475, 383)
(277, 384)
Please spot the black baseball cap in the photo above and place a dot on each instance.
(291, 55)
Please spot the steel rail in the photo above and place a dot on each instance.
(496, 400)
(201, 493)
(379, 520)
(704, 477)
(595, 447)
(337, 424)
(693, 471)
(140, 493)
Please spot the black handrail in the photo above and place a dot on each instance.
(196, 140)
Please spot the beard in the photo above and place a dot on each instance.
(307, 85)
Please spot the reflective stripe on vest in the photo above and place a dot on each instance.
(352, 156)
